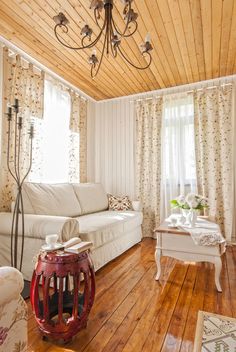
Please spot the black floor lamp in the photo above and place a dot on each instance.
(14, 141)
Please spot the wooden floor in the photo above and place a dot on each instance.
(133, 312)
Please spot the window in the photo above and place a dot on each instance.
(53, 140)
(179, 142)
(178, 148)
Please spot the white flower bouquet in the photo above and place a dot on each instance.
(191, 201)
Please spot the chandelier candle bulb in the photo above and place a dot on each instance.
(9, 113)
(148, 38)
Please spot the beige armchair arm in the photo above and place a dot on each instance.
(11, 284)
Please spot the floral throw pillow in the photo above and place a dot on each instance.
(119, 203)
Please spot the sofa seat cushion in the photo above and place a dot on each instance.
(92, 197)
(104, 227)
(50, 199)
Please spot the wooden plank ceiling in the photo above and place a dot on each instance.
(193, 40)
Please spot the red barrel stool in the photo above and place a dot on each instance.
(62, 293)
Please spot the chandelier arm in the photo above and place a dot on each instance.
(93, 75)
(97, 39)
(137, 67)
(123, 35)
(117, 30)
(127, 22)
(78, 47)
(96, 18)
(113, 48)
(134, 30)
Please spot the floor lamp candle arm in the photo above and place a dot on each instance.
(9, 117)
(31, 135)
(15, 172)
(17, 140)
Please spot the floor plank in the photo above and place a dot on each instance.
(133, 312)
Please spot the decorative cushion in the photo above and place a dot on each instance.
(92, 197)
(119, 203)
(50, 199)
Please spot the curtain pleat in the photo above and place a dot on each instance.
(148, 161)
(78, 127)
(214, 145)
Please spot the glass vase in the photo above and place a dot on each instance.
(190, 217)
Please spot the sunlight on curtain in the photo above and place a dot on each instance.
(214, 151)
(148, 158)
(23, 81)
(178, 149)
(52, 137)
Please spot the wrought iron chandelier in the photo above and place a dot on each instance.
(109, 33)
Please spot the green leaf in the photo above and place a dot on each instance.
(174, 203)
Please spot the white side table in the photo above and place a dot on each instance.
(178, 244)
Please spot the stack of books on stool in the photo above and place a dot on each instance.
(74, 245)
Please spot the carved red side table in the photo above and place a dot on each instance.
(62, 293)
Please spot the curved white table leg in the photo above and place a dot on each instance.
(218, 267)
(158, 262)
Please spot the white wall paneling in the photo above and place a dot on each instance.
(114, 146)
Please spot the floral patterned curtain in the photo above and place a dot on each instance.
(148, 161)
(78, 139)
(22, 82)
(213, 143)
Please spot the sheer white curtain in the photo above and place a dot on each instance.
(52, 137)
(178, 149)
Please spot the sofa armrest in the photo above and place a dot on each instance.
(11, 284)
(39, 226)
(137, 205)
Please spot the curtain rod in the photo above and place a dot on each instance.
(186, 92)
(171, 90)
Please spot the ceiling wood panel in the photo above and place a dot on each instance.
(227, 10)
(232, 42)
(198, 36)
(193, 40)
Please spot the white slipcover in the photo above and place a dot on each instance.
(104, 227)
(50, 199)
(92, 197)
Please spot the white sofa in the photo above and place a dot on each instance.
(70, 210)
(13, 311)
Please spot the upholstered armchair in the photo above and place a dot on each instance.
(13, 311)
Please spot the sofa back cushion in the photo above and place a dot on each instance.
(92, 197)
(50, 199)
